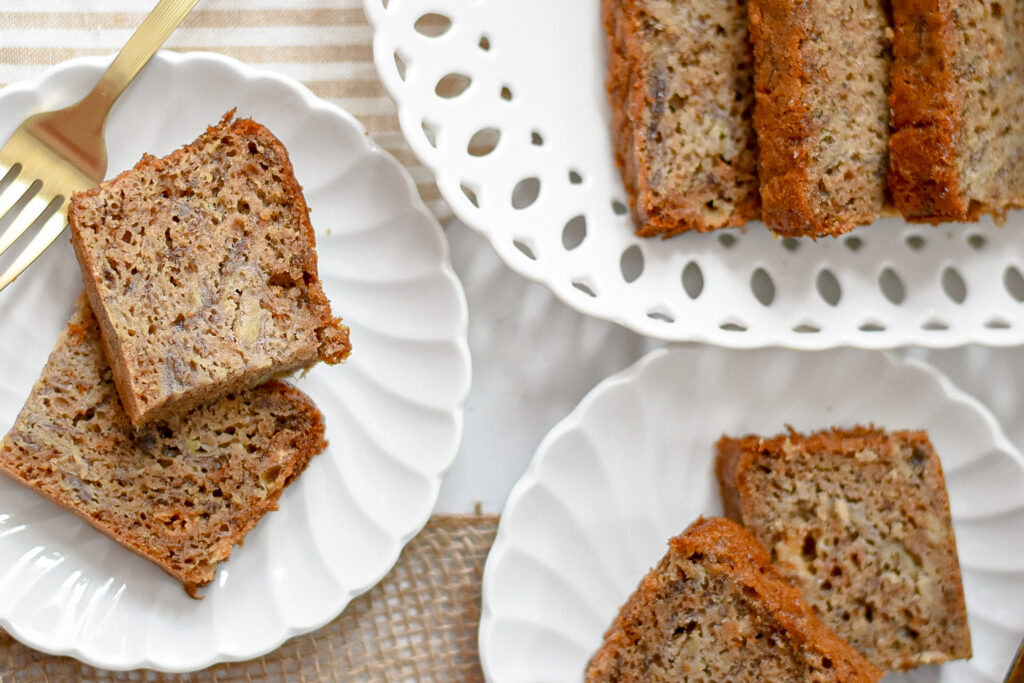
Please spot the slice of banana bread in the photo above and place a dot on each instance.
(713, 610)
(859, 520)
(201, 268)
(957, 150)
(681, 92)
(821, 75)
(180, 492)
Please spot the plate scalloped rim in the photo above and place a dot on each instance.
(871, 312)
(456, 340)
(576, 419)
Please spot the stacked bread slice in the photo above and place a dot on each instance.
(858, 105)
(845, 566)
(180, 492)
(157, 417)
(859, 520)
(714, 609)
(201, 268)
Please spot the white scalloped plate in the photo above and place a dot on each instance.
(522, 153)
(632, 466)
(393, 411)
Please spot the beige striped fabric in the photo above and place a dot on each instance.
(326, 44)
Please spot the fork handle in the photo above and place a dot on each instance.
(136, 53)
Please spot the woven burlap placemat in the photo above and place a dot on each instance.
(419, 624)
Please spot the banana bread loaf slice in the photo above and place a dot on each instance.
(957, 150)
(821, 75)
(681, 92)
(859, 520)
(179, 492)
(201, 268)
(714, 610)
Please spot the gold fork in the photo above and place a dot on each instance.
(56, 153)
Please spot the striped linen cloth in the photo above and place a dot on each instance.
(326, 44)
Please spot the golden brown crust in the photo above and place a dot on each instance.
(821, 116)
(630, 81)
(619, 48)
(927, 104)
(919, 507)
(777, 30)
(733, 456)
(724, 546)
(735, 547)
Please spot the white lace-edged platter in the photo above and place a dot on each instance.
(393, 411)
(632, 466)
(504, 101)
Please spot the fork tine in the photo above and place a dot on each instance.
(9, 174)
(27, 217)
(52, 229)
(11, 194)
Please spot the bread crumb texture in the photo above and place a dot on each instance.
(714, 610)
(201, 267)
(859, 520)
(957, 150)
(680, 83)
(180, 492)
